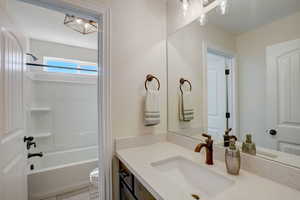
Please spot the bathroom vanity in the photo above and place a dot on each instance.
(171, 172)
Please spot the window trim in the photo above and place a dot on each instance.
(79, 62)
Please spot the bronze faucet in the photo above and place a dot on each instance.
(228, 137)
(209, 149)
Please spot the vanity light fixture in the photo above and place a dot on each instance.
(185, 6)
(80, 25)
(222, 8)
(205, 2)
(205, 7)
(203, 19)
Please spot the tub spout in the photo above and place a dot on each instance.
(30, 155)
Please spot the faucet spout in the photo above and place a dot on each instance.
(30, 155)
(199, 147)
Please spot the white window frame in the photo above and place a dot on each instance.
(79, 62)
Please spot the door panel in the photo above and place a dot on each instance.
(13, 177)
(289, 148)
(283, 97)
(216, 82)
(289, 88)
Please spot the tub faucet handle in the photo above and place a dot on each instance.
(29, 138)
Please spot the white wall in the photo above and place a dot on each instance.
(138, 49)
(44, 48)
(251, 47)
(2, 3)
(185, 54)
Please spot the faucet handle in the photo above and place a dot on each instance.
(207, 136)
(227, 131)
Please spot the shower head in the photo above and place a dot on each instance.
(34, 58)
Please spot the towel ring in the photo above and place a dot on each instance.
(150, 78)
(182, 81)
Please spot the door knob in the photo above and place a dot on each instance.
(272, 132)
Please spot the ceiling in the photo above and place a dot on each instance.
(44, 24)
(246, 15)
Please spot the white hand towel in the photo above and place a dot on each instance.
(186, 110)
(152, 108)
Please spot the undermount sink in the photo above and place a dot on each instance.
(193, 178)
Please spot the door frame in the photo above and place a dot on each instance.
(100, 12)
(233, 79)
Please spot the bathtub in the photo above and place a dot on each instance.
(61, 172)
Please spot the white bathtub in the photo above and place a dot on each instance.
(61, 172)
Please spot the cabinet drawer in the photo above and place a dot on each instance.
(126, 176)
(125, 193)
(141, 192)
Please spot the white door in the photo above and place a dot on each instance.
(216, 91)
(13, 178)
(283, 96)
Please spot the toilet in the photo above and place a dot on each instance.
(94, 181)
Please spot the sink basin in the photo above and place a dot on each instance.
(193, 178)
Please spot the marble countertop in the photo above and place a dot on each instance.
(247, 186)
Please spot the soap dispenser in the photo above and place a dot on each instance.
(248, 146)
(233, 158)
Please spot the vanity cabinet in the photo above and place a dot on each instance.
(130, 187)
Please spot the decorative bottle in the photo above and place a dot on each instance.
(233, 158)
(248, 146)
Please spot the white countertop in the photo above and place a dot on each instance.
(270, 154)
(247, 186)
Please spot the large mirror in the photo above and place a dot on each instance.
(240, 72)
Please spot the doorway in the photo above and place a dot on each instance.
(39, 134)
(61, 115)
(219, 93)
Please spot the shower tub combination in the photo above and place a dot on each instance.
(61, 172)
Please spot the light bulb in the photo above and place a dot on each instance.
(222, 8)
(86, 25)
(185, 5)
(202, 19)
(205, 2)
(79, 21)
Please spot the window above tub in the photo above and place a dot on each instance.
(68, 66)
